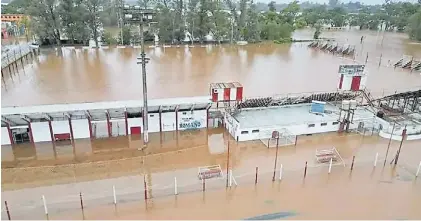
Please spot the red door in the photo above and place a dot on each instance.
(227, 92)
(135, 130)
(355, 85)
(214, 95)
(340, 81)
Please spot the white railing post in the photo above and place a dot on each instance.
(115, 197)
(330, 165)
(280, 172)
(45, 205)
(375, 159)
(175, 186)
(418, 170)
(230, 178)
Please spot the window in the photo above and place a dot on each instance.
(151, 115)
(323, 124)
(335, 123)
(184, 113)
(311, 125)
(244, 132)
(255, 131)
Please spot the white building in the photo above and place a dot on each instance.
(89, 120)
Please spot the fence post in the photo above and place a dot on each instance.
(296, 140)
(330, 166)
(115, 197)
(257, 170)
(230, 178)
(352, 164)
(375, 159)
(175, 186)
(203, 183)
(418, 170)
(7, 210)
(305, 170)
(280, 172)
(81, 201)
(145, 187)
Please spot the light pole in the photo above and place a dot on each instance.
(137, 15)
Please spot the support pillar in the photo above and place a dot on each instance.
(90, 127)
(126, 122)
(51, 131)
(176, 119)
(12, 141)
(31, 136)
(71, 130)
(207, 117)
(108, 124)
(160, 120)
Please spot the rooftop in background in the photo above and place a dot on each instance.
(292, 115)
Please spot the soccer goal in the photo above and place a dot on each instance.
(285, 138)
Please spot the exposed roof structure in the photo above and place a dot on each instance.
(16, 116)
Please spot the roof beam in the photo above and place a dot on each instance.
(192, 107)
(7, 121)
(48, 117)
(26, 118)
(88, 114)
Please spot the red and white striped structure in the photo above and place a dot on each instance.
(352, 79)
(232, 91)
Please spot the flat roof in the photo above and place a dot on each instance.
(292, 114)
(103, 105)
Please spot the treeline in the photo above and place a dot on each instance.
(225, 20)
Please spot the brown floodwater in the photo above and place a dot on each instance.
(79, 75)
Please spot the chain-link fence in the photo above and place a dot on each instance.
(36, 203)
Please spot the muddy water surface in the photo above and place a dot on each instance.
(67, 75)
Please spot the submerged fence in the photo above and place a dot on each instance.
(48, 202)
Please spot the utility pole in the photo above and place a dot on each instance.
(134, 14)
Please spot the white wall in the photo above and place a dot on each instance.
(232, 125)
(300, 129)
(41, 131)
(135, 122)
(118, 127)
(153, 122)
(80, 128)
(5, 139)
(60, 127)
(168, 121)
(191, 120)
(99, 129)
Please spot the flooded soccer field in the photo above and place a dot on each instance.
(61, 181)
(92, 168)
(70, 76)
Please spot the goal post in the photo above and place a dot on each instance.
(285, 138)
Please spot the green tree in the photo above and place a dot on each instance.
(414, 26)
(318, 31)
(46, 19)
(271, 6)
(93, 10)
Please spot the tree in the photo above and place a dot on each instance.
(25, 22)
(252, 31)
(94, 7)
(271, 6)
(72, 14)
(290, 13)
(318, 31)
(46, 19)
(414, 26)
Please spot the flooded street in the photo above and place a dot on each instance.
(264, 70)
